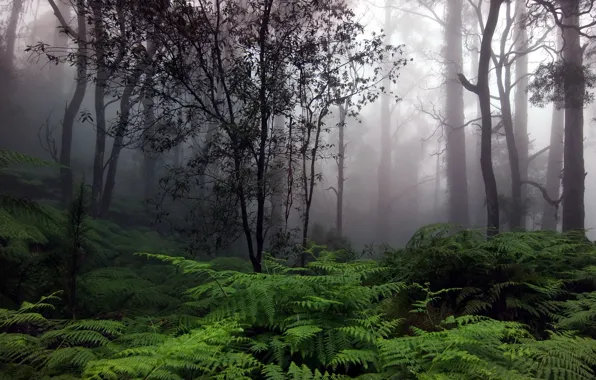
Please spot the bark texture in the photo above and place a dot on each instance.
(574, 85)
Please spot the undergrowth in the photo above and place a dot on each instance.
(78, 302)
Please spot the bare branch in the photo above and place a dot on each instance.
(466, 83)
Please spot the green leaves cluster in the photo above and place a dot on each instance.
(329, 320)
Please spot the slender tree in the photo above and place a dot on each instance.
(520, 120)
(555, 161)
(570, 76)
(482, 90)
(384, 171)
(73, 106)
(574, 87)
(457, 179)
(11, 38)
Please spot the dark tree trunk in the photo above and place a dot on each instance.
(100, 112)
(106, 196)
(277, 182)
(574, 85)
(265, 114)
(482, 89)
(457, 180)
(125, 107)
(503, 83)
(66, 178)
(477, 184)
(503, 72)
(122, 126)
(150, 157)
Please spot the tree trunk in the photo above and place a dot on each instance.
(482, 89)
(125, 106)
(457, 180)
(310, 176)
(503, 83)
(341, 159)
(149, 155)
(555, 163)
(554, 169)
(265, 114)
(478, 194)
(574, 85)
(437, 194)
(60, 41)
(384, 174)
(66, 178)
(100, 111)
(277, 183)
(11, 38)
(521, 102)
(149, 175)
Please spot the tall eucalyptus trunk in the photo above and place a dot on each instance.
(384, 173)
(277, 176)
(574, 85)
(457, 180)
(100, 108)
(70, 113)
(478, 196)
(341, 166)
(10, 38)
(555, 162)
(482, 89)
(521, 100)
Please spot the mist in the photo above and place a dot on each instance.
(410, 153)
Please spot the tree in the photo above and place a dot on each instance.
(482, 90)
(136, 77)
(384, 171)
(516, 137)
(338, 67)
(574, 85)
(555, 162)
(341, 167)
(520, 121)
(570, 77)
(457, 179)
(237, 64)
(478, 203)
(7, 58)
(454, 120)
(70, 113)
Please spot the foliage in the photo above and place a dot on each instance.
(450, 305)
(515, 276)
(43, 249)
(548, 83)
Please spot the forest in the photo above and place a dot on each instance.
(297, 189)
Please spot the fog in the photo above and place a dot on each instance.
(35, 93)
